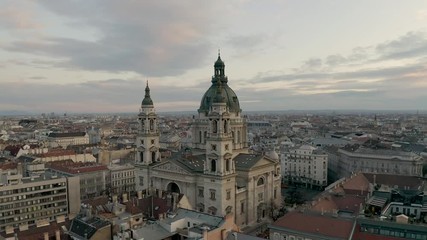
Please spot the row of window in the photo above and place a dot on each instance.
(30, 189)
(395, 233)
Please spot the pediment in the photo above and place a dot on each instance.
(212, 155)
(171, 167)
(263, 162)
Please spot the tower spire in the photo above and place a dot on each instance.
(147, 99)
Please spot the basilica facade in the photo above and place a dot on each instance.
(218, 175)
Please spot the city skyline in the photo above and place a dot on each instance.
(279, 55)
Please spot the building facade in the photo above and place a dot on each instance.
(122, 178)
(353, 159)
(66, 139)
(36, 201)
(307, 165)
(218, 175)
(94, 178)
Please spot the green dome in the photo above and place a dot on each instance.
(220, 91)
(229, 95)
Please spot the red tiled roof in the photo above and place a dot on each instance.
(13, 149)
(310, 223)
(356, 185)
(340, 203)
(56, 153)
(395, 180)
(8, 165)
(71, 167)
(36, 233)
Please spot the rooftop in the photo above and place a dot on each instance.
(323, 225)
(70, 167)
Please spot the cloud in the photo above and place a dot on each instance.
(15, 16)
(112, 95)
(410, 45)
(147, 37)
(334, 60)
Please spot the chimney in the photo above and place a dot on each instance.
(57, 235)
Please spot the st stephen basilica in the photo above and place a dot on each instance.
(219, 175)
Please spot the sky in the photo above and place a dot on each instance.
(81, 56)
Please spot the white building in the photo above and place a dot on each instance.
(66, 139)
(307, 165)
(355, 159)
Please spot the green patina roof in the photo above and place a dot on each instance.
(147, 99)
(219, 91)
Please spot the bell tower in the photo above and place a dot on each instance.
(219, 139)
(147, 141)
(219, 169)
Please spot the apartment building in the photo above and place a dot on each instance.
(94, 178)
(306, 165)
(36, 201)
(122, 178)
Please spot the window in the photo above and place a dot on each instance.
(227, 165)
(141, 181)
(201, 192)
(212, 194)
(242, 207)
(214, 126)
(151, 124)
(228, 194)
(275, 193)
(201, 207)
(213, 165)
(260, 182)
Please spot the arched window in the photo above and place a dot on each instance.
(225, 126)
(227, 165)
(205, 135)
(260, 182)
(213, 165)
(214, 126)
(200, 137)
